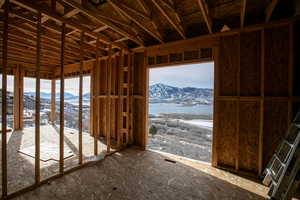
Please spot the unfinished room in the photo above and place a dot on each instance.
(150, 99)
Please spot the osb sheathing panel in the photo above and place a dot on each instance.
(296, 90)
(227, 133)
(296, 109)
(275, 127)
(139, 74)
(228, 65)
(138, 121)
(277, 52)
(250, 64)
(249, 116)
(140, 100)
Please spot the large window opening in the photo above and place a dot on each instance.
(181, 110)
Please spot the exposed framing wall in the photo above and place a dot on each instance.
(256, 92)
(112, 84)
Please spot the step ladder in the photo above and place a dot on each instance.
(282, 171)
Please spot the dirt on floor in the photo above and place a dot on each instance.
(143, 175)
(21, 167)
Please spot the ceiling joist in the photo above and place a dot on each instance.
(269, 9)
(122, 10)
(54, 16)
(92, 13)
(177, 26)
(243, 12)
(205, 13)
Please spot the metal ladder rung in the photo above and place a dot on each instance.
(286, 142)
(270, 174)
(277, 157)
(297, 125)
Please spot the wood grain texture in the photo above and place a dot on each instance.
(228, 65)
(250, 64)
(296, 84)
(275, 127)
(277, 61)
(227, 132)
(249, 136)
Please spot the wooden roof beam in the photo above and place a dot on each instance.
(124, 12)
(1, 3)
(101, 28)
(269, 10)
(135, 11)
(92, 13)
(176, 26)
(243, 12)
(205, 13)
(35, 8)
(144, 7)
(147, 10)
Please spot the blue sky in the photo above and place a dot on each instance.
(195, 75)
(71, 85)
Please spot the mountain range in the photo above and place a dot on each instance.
(161, 93)
(68, 96)
(158, 93)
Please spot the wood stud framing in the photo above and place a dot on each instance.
(80, 97)
(4, 102)
(119, 95)
(61, 112)
(37, 100)
(108, 114)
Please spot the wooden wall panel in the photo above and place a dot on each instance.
(277, 52)
(228, 65)
(140, 84)
(249, 117)
(250, 63)
(227, 129)
(296, 109)
(296, 76)
(275, 127)
(254, 98)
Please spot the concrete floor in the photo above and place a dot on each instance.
(141, 175)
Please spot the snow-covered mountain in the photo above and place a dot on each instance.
(165, 93)
(68, 96)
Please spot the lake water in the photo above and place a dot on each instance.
(167, 108)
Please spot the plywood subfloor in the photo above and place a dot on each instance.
(21, 167)
(133, 174)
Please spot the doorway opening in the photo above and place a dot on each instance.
(181, 110)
